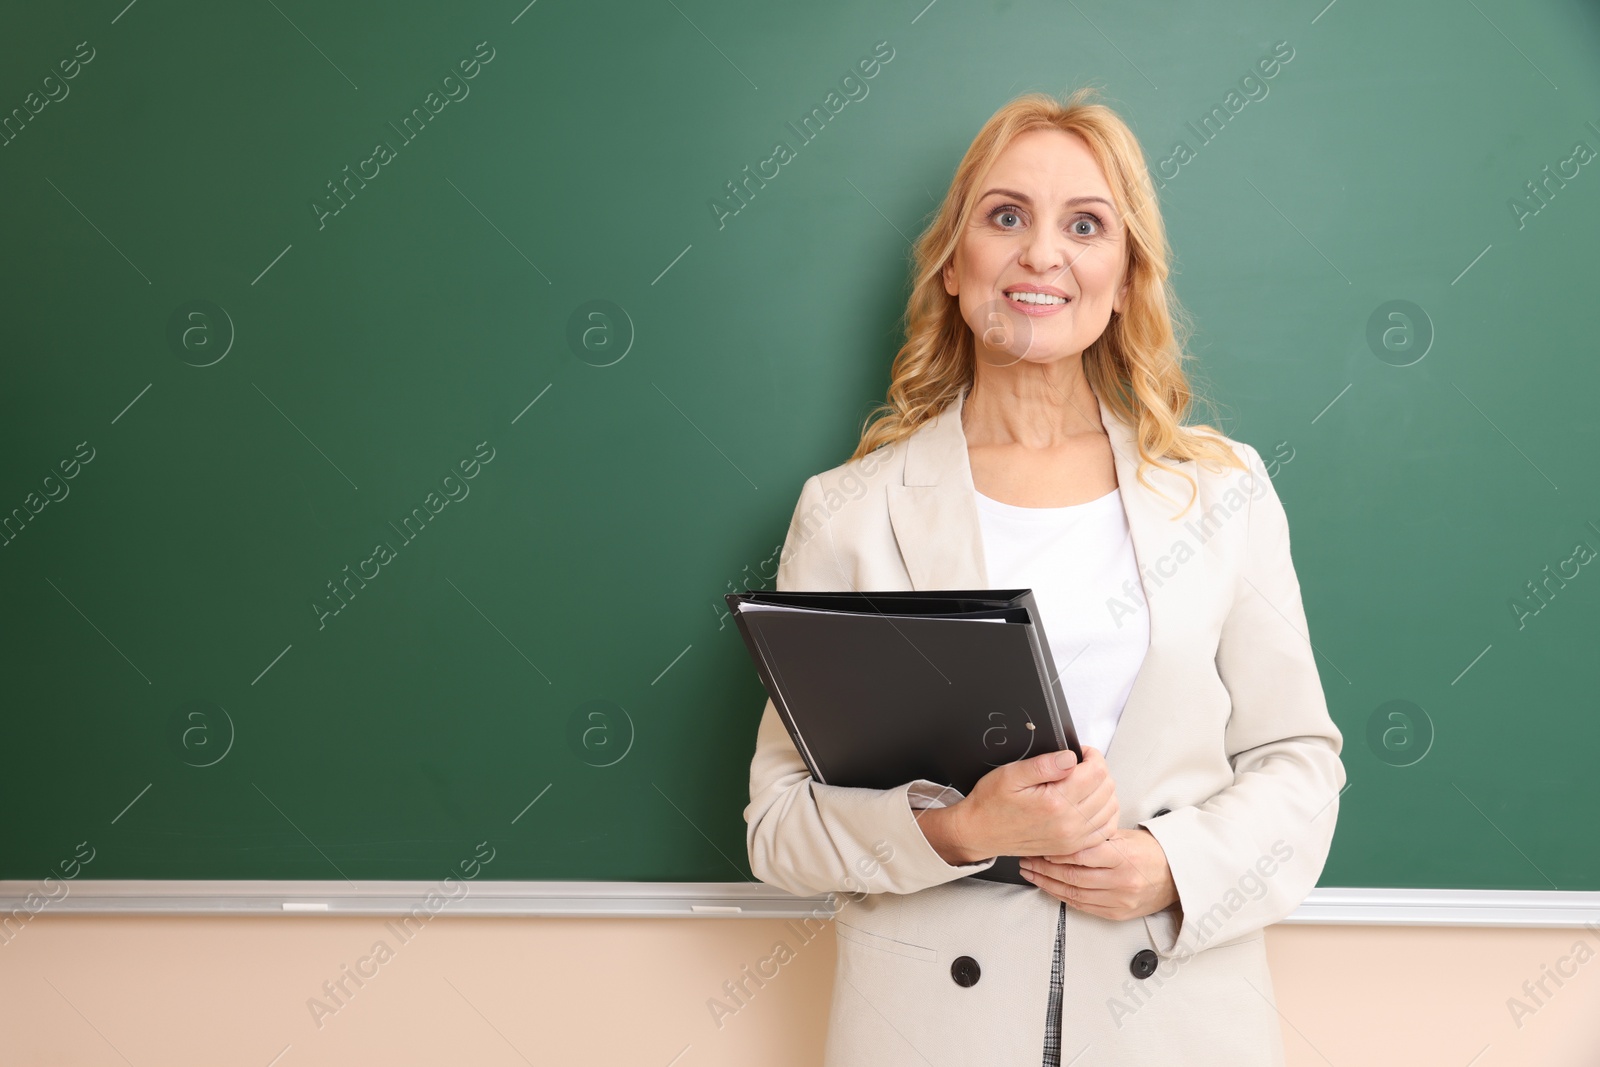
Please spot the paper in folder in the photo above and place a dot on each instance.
(878, 689)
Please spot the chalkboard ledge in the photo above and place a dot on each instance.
(696, 900)
(1448, 907)
(467, 898)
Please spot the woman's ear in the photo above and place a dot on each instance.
(949, 273)
(1120, 300)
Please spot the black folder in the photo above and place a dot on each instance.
(877, 689)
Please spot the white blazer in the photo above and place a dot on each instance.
(1225, 752)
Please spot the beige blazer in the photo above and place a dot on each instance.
(1225, 752)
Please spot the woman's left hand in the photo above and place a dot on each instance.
(1124, 877)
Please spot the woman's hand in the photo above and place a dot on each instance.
(1123, 878)
(1045, 805)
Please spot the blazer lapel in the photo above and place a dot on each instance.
(935, 522)
(934, 516)
(1151, 515)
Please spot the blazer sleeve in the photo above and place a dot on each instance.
(810, 838)
(1247, 856)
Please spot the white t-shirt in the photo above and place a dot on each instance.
(1076, 560)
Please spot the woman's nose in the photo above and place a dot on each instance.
(1044, 251)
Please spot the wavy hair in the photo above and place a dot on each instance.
(1135, 365)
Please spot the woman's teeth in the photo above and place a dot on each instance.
(1036, 298)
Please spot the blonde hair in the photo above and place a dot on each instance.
(1135, 366)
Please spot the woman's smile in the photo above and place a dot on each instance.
(1036, 300)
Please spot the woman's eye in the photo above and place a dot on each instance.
(1086, 220)
(1004, 213)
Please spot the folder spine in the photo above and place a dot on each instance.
(1050, 680)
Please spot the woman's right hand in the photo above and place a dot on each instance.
(1042, 806)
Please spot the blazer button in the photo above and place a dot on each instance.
(1143, 964)
(965, 971)
(1163, 811)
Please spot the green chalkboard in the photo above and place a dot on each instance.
(391, 392)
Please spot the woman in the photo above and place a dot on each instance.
(1033, 438)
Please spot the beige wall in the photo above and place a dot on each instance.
(91, 991)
